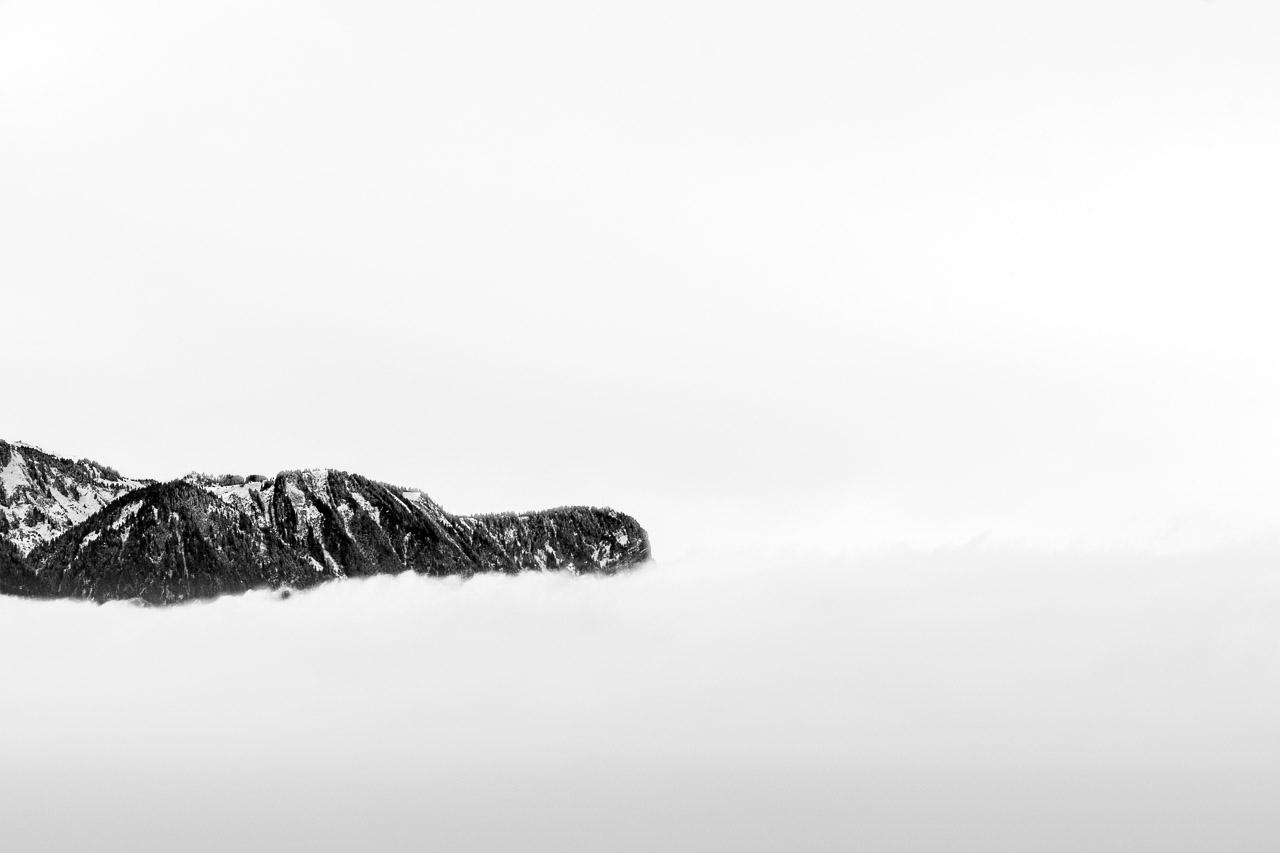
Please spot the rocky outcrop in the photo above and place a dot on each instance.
(203, 536)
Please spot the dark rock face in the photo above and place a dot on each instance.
(203, 536)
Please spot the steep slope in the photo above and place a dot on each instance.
(42, 495)
(167, 543)
(347, 523)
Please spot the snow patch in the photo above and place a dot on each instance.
(364, 504)
(14, 475)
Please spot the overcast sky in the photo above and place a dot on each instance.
(811, 272)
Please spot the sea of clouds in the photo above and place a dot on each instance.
(964, 698)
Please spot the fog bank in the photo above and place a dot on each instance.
(979, 698)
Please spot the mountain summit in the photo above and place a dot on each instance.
(80, 530)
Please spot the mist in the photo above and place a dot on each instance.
(978, 697)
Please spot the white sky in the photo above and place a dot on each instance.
(809, 273)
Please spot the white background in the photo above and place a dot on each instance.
(785, 282)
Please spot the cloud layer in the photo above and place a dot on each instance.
(982, 696)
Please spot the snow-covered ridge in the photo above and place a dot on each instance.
(43, 495)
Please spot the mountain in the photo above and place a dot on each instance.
(203, 536)
(42, 495)
(165, 543)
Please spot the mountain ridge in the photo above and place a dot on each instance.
(203, 535)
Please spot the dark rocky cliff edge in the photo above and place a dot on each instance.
(201, 537)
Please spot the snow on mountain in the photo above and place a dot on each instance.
(43, 495)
